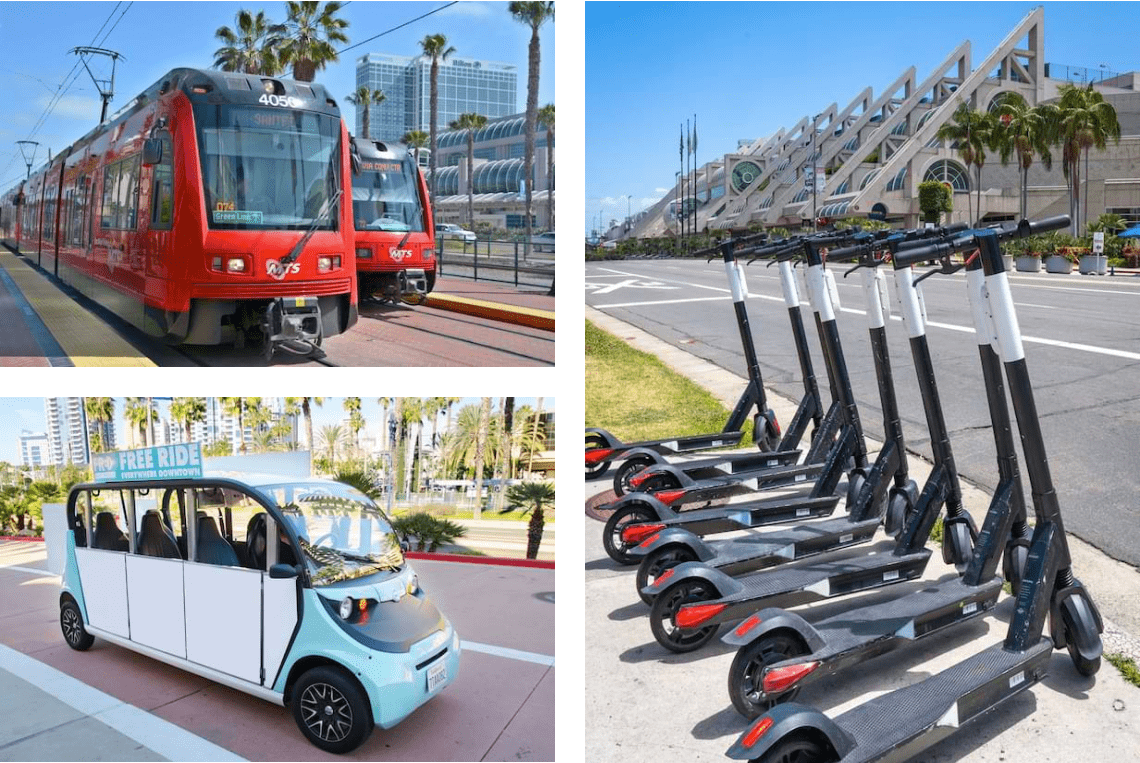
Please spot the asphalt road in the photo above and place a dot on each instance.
(1082, 342)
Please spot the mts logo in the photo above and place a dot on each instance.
(399, 255)
(277, 271)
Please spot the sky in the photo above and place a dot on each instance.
(28, 413)
(747, 69)
(37, 61)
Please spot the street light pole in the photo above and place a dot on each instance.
(628, 213)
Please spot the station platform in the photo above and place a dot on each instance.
(109, 703)
(524, 306)
(44, 326)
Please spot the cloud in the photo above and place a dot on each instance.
(73, 107)
(474, 9)
(662, 191)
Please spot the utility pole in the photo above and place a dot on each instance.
(106, 87)
(29, 159)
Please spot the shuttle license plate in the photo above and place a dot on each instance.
(437, 674)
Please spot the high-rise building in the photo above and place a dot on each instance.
(66, 430)
(465, 85)
(35, 450)
(106, 430)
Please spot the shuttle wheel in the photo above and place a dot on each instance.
(71, 622)
(331, 709)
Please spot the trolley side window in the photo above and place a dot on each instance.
(121, 194)
(76, 227)
(162, 194)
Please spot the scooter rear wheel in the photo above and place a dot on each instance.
(957, 542)
(629, 467)
(1084, 666)
(658, 482)
(745, 677)
(656, 563)
(593, 471)
(796, 749)
(663, 618)
(611, 535)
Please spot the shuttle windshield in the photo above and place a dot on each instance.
(342, 532)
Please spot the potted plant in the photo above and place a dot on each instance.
(1087, 262)
(1028, 252)
(934, 199)
(1011, 250)
(1109, 224)
(1060, 259)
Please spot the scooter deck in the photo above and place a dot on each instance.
(757, 478)
(742, 555)
(733, 463)
(739, 516)
(910, 617)
(688, 444)
(824, 579)
(899, 725)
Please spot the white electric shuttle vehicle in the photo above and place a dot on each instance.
(292, 590)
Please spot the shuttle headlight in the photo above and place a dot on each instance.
(346, 607)
(414, 584)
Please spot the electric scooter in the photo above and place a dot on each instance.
(602, 448)
(810, 408)
(673, 545)
(903, 723)
(780, 652)
(640, 508)
(692, 603)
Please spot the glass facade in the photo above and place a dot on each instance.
(464, 86)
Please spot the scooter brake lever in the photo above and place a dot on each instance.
(857, 266)
(947, 268)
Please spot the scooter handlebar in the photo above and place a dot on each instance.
(907, 256)
(1044, 226)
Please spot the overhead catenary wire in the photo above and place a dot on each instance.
(68, 80)
(400, 26)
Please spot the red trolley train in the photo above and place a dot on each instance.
(207, 211)
(395, 238)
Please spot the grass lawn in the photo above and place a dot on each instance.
(637, 397)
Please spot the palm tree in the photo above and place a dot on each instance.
(307, 412)
(546, 119)
(365, 98)
(385, 432)
(534, 432)
(411, 416)
(188, 411)
(355, 419)
(330, 438)
(1084, 120)
(100, 410)
(136, 411)
(532, 496)
(971, 131)
(1023, 130)
(251, 49)
(534, 15)
(480, 452)
(470, 122)
(435, 47)
(309, 34)
(235, 407)
(415, 140)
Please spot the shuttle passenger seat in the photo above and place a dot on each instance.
(153, 539)
(212, 547)
(108, 536)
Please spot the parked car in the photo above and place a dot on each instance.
(543, 242)
(453, 231)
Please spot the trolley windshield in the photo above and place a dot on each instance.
(268, 168)
(385, 196)
(343, 534)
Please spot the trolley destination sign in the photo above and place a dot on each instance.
(179, 461)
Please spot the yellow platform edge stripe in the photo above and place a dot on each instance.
(523, 316)
(75, 330)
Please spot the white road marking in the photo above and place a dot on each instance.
(168, 740)
(1074, 288)
(633, 283)
(1030, 304)
(662, 302)
(32, 570)
(510, 654)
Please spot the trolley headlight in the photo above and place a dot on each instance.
(235, 265)
(327, 262)
(364, 253)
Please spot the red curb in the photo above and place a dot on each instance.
(22, 537)
(480, 559)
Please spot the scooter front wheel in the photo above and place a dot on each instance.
(663, 618)
(611, 536)
(746, 676)
(656, 563)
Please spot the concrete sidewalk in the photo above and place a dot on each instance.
(1067, 717)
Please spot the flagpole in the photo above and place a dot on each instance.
(681, 188)
(696, 196)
